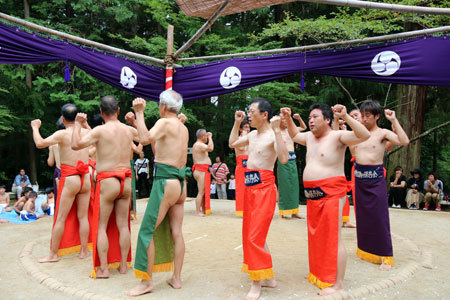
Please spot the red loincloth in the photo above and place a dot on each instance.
(207, 195)
(241, 167)
(259, 207)
(70, 241)
(323, 228)
(114, 255)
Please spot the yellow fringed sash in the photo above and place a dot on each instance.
(166, 267)
(71, 250)
(288, 212)
(239, 213)
(345, 219)
(316, 281)
(257, 275)
(373, 258)
(111, 266)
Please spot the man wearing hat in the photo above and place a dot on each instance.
(415, 185)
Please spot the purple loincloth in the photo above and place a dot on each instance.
(372, 214)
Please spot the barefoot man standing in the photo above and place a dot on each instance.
(372, 210)
(111, 220)
(325, 189)
(200, 169)
(265, 145)
(160, 246)
(70, 223)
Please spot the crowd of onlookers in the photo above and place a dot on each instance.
(412, 192)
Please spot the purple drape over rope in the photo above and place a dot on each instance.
(422, 61)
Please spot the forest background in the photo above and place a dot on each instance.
(28, 92)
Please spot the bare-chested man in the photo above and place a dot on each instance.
(113, 190)
(200, 169)
(265, 145)
(371, 203)
(163, 217)
(4, 198)
(75, 185)
(241, 167)
(325, 189)
(288, 188)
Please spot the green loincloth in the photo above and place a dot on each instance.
(288, 189)
(162, 236)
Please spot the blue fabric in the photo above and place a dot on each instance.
(12, 217)
(18, 182)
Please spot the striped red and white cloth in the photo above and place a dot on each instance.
(220, 171)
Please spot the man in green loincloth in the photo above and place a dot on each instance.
(160, 245)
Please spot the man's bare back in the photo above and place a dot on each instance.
(171, 149)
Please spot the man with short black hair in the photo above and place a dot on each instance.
(70, 224)
(20, 181)
(111, 217)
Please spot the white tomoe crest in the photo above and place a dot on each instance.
(230, 78)
(386, 63)
(128, 78)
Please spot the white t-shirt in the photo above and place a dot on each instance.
(213, 188)
(141, 165)
(232, 184)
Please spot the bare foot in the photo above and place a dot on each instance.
(83, 254)
(146, 286)
(330, 290)
(255, 291)
(99, 273)
(348, 225)
(270, 283)
(123, 268)
(200, 214)
(49, 258)
(385, 267)
(298, 216)
(284, 217)
(174, 283)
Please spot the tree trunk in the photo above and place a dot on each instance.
(410, 113)
(31, 148)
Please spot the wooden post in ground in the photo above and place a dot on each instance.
(169, 59)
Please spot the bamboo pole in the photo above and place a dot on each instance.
(325, 45)
(202, 29)
(80, 40)
(169, 58)
(385, 6)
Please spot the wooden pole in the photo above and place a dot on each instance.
(79, 40)
(386, 6)
(203, 29)
(326, 45)
(169, 58)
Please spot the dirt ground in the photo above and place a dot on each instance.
(214, 256)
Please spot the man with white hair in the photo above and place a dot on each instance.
(160, 245)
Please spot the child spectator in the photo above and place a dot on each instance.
(434, 189)
(18, 206)
(4, 198)
(48, 207)
(28, 212)
(213, 189)
(231, 187)
(397, 192)
(415, 185)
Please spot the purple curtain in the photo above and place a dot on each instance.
(421, 61)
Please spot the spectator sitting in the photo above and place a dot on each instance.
(28, 212)
(48, 207)
(415, 184)
(231, 187)
(219, 173)
(213, 189)
(20, 182)
(4, 199)
(397, 192)
(434, 189)
(18, 206)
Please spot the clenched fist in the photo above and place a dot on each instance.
(129, 117)
(139, 105)
(390, 114)
(339, 110)
(286, 112)
(36, 123)
(81, 118)
(182, 117)
(275, 123)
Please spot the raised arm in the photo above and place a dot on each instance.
(359, 133)
(280, 146)
(294, 132)
(234, 141)
(300, 120)
(210, 144)
(80, 142)
(397, 136)
(39, 140)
